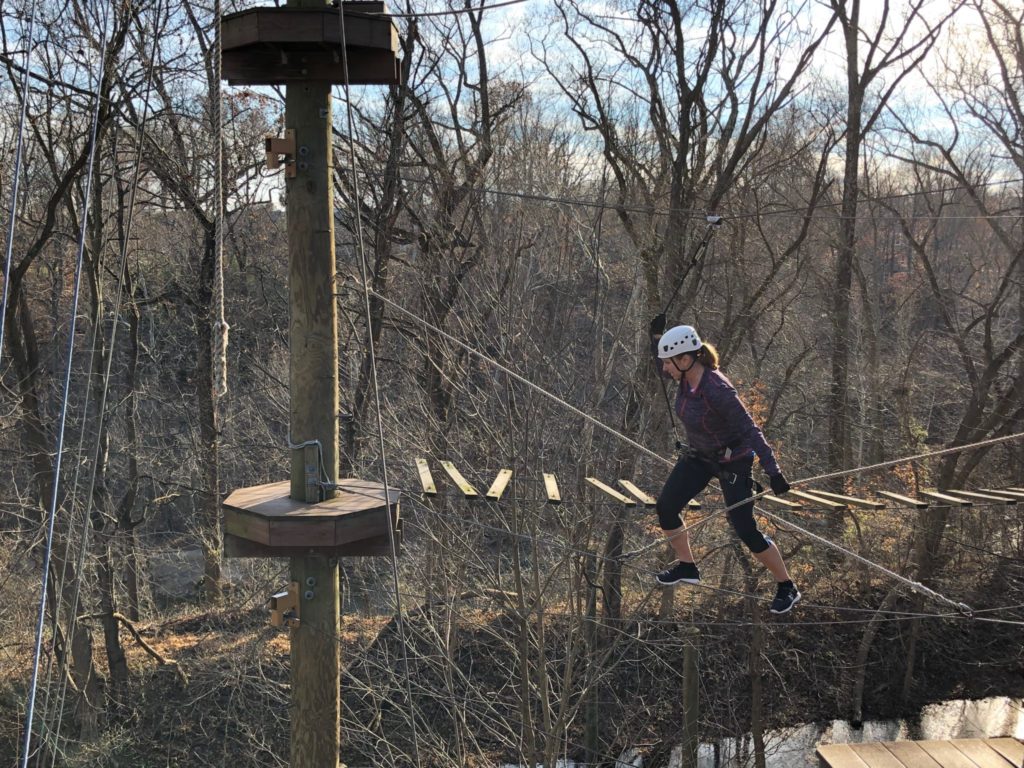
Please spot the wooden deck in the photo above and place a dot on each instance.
(957, 753)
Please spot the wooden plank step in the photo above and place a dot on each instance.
(986, 497)
(1004, 492)
(426, 479)
(611, 492)
(838, 756)
(945, 754)
(905, 501)
(551, 488)
(951, 500)
(876, 755)
(817, 500)
(772, 499)
(464, 485)
(911, 754)
(1011, 749)
(852, 501)
(980, 753)
(645, 498)
(499, 485)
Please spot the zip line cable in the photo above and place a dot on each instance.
(62, 423)
(451, 12)
(111, 347)
(364, 268)
(695, 215)
(16, 178)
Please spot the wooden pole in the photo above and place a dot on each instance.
(313, 327)
(691, 708)
(313, 350)
(316, 665)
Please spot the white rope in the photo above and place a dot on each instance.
(219, 351)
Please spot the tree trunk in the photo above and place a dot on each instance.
(839, 401)
(117, 662)
(861, 662)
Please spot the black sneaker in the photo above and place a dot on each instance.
(786, 596)
(679, 573)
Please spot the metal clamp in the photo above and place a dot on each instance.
(281, 152)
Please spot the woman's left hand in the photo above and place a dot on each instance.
(779, 484)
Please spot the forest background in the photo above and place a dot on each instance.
(536, 187)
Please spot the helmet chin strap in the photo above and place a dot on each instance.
(686, 370)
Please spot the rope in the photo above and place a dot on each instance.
(111, 347)
(219, 352)
(842, 473)
(569, 549)
(59, 452)
(17, 174)
(914, 585)
(714, 222)
(364, 270)
(521, 379)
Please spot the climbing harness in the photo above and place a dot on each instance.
(713, 464)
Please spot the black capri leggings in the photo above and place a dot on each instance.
(691, 476)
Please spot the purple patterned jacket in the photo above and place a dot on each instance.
(716, 420)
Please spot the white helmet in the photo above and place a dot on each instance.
(677, 341)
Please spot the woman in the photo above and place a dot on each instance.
(723, 442)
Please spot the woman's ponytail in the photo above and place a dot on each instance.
(707, 356)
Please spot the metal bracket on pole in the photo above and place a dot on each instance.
(284, 607)
(281, 152)
(311, 462)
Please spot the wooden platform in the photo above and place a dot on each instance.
(266, 46)
(957, 753)
(263, 521)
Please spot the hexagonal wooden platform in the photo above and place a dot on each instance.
(263, 521)
(265, 46)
